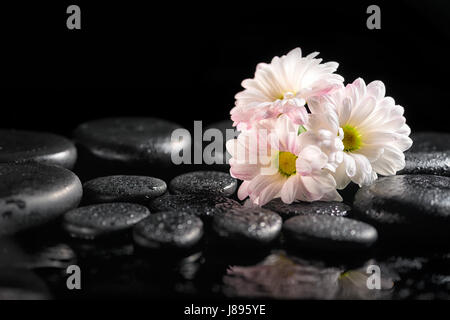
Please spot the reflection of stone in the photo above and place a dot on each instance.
(286, 277)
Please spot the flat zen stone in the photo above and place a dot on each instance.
(302, 208)
(122, 188)
(92, 221)
(170, 229)
(328, 232)
(204, 182)
(247, 226)
(28, 146)
(34, 194)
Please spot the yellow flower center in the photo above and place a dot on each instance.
(286, 95)
(286, 163)
(352, 139)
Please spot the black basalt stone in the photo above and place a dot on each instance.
(204, 182)
(18, 146)
(170, 229)
(328, 233)
(203, 206)
(34, 194)
(247, 226)
(123, 188)
(98, 220)
(429, 154)
(128, 145)
(407, 207)
(301, 208)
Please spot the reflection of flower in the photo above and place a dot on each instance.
(372, 127)
(286, 277)
(283, 86)
(285, 164)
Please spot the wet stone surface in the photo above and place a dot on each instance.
(204, 182)
(123, 188)
(127, 145)
(328, 233)
(98, 220)
(168, 229)
(247, 226)
(302, 208)
(429, 154)
(34, 194)
(28, 146)
(408, 207)
(203, 206)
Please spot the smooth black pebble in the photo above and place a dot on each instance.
(204, 182)
(128, 145)
(170, 229)
(34, 194)
(18, 146)
(302, 208)
(104, 219)
(123, 188)
(328, 232)
(203, 206)
(247, 226)
(407, 207)
(429, 154)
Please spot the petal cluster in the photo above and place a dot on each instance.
(351, 133)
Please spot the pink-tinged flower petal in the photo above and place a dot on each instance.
(243, 190)
(289, 190)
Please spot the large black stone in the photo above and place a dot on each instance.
(97, 220)
(328, 232)
(176, 230)
(429, 154)
(302, 208)
(407, 207)
(204, 182)
(247, 226)
(128, 146)
(203, 206)
(28, 146)
(33, 194)
(123, 188)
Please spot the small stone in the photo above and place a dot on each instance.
(28, 146)
(128, 145)
(204, 182)
(170, 229)
(34, 194)
(203, 206)
(328, 232)
(97, 220)
(410, 207)
(429, 154)
(247, 226)
(301, 208)
(123, 188)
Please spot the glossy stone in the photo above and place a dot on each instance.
(168, 229)
(247, 226)
(328, 232)
(123, 188)
(93, 221)
(18, 146)
(204, 182)
(429, 154)
(204, 206)
(408, 207)
(302, 208)
(128, 145)
(34, 194)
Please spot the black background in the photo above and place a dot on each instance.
(185, 62)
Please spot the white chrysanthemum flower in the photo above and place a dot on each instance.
(372, 127)
(274, 161)
(283, 87)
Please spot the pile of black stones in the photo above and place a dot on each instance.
(111, 202)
